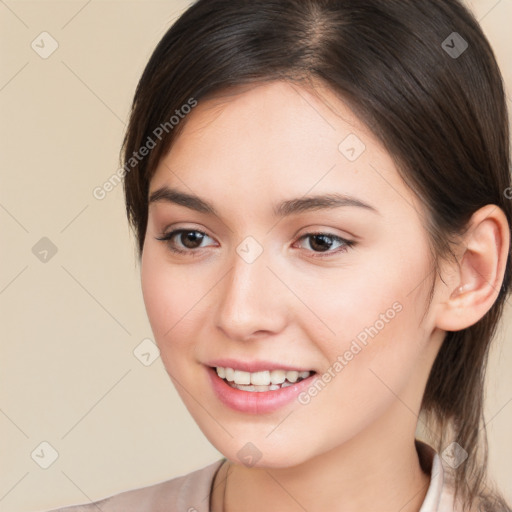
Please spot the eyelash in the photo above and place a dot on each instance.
(167, 238)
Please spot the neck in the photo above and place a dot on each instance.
(377, 470)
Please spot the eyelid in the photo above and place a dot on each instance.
(330, 231)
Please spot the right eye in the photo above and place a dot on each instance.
(183, 241)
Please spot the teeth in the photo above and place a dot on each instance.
(260, 378)
(244, 388)
(229, 372)
(277, 376)
(292, 376)
(252, 388)
(267, 379)
(242, 377)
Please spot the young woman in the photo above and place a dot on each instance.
(319, 191)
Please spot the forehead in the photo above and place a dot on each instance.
(280, 115)
(275, 140)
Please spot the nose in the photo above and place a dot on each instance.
(253, 301)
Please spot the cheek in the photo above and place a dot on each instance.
(172, 298)
(374, 319)
(354, 301)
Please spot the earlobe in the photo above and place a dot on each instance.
(476, 281)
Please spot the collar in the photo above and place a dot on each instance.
(439, 497)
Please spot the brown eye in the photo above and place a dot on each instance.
(323, 243)
(320, 242)
(191, 239)
(183, 240)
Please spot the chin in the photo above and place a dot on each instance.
(262, 453)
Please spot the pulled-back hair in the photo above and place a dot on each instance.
(438, 108)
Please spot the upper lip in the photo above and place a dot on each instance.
(254, 366)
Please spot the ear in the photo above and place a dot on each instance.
(474, 285)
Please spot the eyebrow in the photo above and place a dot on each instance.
(283, 209)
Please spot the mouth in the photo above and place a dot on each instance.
(261, 381)
(257, 387)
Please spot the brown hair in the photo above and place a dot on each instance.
(436, 105)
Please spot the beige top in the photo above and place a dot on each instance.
(191, 492)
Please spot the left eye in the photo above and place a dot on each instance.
(323, 243)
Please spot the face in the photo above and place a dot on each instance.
(301, 249)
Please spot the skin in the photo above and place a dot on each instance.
(352, 447)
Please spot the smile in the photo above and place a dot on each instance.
(260, 392)
(266, 380)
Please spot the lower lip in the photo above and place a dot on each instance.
(255, 402)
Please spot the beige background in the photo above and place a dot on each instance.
(69, 326)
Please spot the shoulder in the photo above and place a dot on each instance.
(186, 493)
